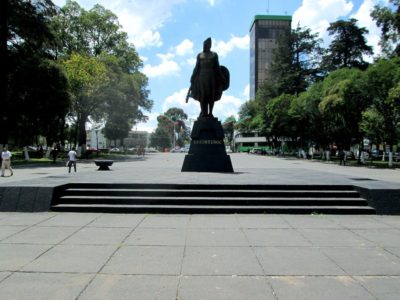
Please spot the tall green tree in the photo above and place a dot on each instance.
(345, 97)
(383, 79)
(121, 100)
(178, 117)
(87, 78)
(87, 32)
(26, 45)
(388, 19)
(296, 61)
(348, 47)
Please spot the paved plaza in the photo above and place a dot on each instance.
(51, 255)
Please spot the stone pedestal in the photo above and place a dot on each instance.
(207, 151)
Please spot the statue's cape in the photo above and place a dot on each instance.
(226, 80)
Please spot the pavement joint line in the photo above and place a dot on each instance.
(183, 257)
(269, 284)
(120, 245)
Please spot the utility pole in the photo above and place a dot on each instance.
(267, 6)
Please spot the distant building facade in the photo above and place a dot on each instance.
(264, 34)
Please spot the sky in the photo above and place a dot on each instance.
(168, 35)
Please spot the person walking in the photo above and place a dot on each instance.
(71, 160)
(6, 161)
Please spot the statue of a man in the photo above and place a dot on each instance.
(208, 80)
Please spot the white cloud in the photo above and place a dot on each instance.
(141, 19)
(166, 67)
(227, 106)
(317, 14)
(246, 92)
(365, 20)
(191, 61)
(223, 48)
(184, 48)
(150, 125)
(177, 99)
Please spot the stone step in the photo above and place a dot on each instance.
(210, 209)
(211, 193)
(192, 198)
(115, 200)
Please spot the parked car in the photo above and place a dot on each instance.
(115, 150)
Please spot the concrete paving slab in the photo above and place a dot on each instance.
(127, 287)
(358, 222)
(165, 221)
(7, 231)
(311, 221)
(391, 221)
(70, 219)
(387, 288)
(157, 237)
(232, 261)
(4, 275)
(72, 258)
(215, 221)
(262, 221)
(296, 261)
(339, 268)
(225, 288)
(14, 256)
(16, 219)
(109, 220)
(216, 237)
(335, 237)
(364, 261)
(394, 251)
(43, 286)
(381, 237)
(146, 260)
(327, 288)
(98, 236)
(275, 237)
(41, 235)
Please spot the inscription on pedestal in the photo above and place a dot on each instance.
(207, 151)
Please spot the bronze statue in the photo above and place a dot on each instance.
(208, 80)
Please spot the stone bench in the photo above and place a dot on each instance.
(103, 164)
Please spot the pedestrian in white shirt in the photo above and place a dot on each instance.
(6, 161)
(71, 160)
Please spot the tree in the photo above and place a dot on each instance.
(177, 116)
(228, 127)
(348, 47)
(122, 100)
(345, 97)
(172, 119)
(87, 32)
(160, 138)
(87, 76)
(277, 110)
(388, 19)
(383, 79)
(25, 45)
(296, 61)
(373, 125)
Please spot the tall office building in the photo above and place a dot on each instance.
(264, 33)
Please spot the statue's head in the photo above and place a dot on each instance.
(207, 44)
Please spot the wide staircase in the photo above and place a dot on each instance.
(197, 198)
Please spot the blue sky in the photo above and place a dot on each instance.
(168, 34)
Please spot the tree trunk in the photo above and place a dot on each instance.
(391, 156)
